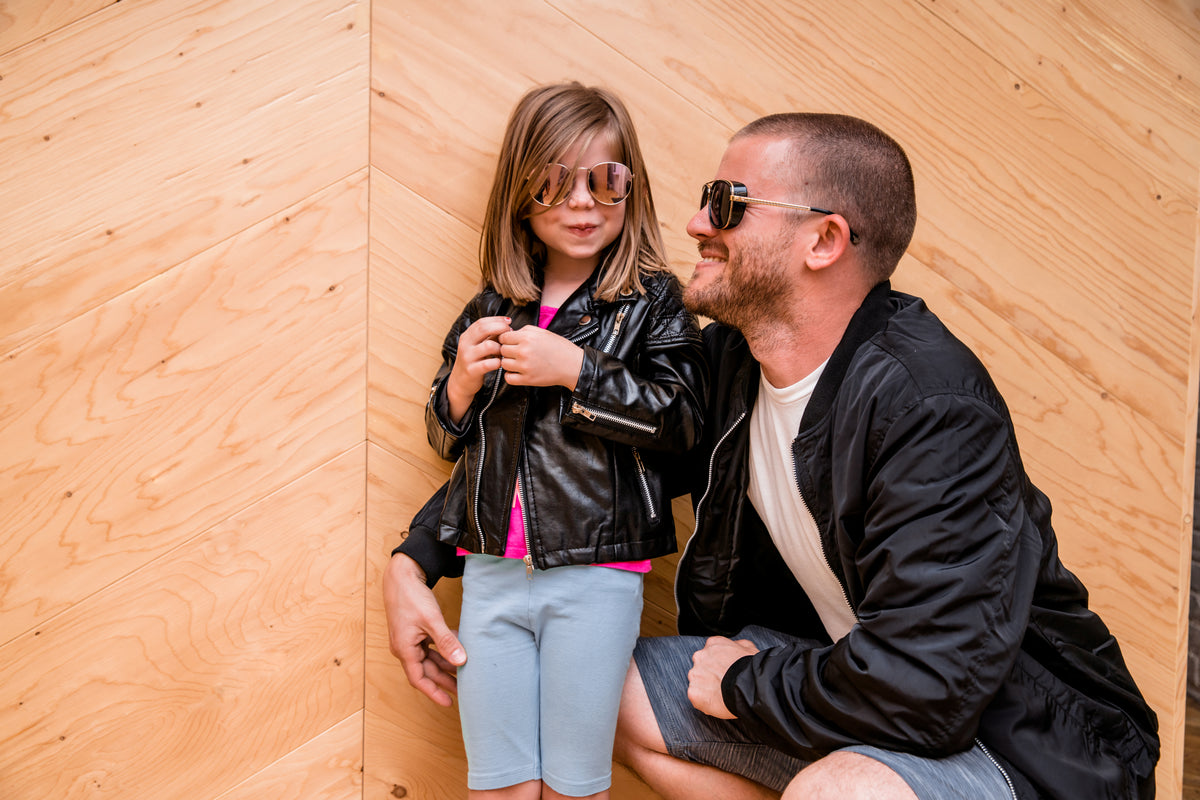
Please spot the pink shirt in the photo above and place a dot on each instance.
(515, 547)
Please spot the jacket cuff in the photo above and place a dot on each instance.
(729, 692)
(436, 558)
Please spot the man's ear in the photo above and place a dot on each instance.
(833, 237)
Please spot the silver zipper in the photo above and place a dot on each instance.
(712, 460)
(612, 337)
(594, 414)
(1012, 792)
(821, 539)
(525, 527)
(482, 453)
(645, 484)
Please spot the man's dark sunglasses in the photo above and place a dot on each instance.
(727, 200)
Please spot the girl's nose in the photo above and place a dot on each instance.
(580, 196)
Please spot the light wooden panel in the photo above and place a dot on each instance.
(328, 767)
(23, 21)
(412, 747)
(424, 268)
(444, 80)
(1038, 209)
(185, 321)
(136, 425)
(1129, 73)
(148, 131)
(191, 675)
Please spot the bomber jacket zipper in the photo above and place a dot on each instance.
(1011, 789)
(712, 460)
(821, 539)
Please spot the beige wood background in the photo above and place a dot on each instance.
(235, 231)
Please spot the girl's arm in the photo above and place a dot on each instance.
(469, 351)
(660, 406)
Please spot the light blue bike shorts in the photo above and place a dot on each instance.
(547, 656)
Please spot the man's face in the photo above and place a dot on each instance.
(743, 275)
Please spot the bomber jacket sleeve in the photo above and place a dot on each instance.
(660, 404)
(449, 437)
(436, 558)
(941, 575)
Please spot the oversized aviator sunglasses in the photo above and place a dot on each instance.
(727, 200)
(609, 183)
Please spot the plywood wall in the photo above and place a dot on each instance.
(235, 232)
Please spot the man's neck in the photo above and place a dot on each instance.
(789, 349)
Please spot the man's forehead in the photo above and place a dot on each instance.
(757, 161)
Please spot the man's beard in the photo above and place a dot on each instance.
(750, 289)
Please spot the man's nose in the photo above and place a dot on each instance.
(700, 226)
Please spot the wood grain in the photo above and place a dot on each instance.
(1033, 208)
(237, 230)
(203, 667)
(411, 742)
(327, 767)
(22, 21)
(125, 162)
(1133, 78)
(144, 421)
(437, 119)
(424, 269)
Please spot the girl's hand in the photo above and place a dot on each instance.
(533, 356)
(478, 354)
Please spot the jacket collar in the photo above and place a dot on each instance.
(870, 318)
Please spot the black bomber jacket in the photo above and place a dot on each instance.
(591, 462)
(969, 627)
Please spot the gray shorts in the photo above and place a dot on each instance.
(663, 663)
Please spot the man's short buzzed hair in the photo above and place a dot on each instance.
(849, 166)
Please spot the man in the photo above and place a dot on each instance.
(878, 580)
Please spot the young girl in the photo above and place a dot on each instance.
(567, 385)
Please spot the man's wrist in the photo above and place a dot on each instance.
(409, 566)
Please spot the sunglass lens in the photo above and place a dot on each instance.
(551, 184)
(610, 183)
(717, 196)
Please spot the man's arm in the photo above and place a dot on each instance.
(416, 627)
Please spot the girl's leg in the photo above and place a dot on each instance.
(589, 625)
(529, 790)
(498, 687)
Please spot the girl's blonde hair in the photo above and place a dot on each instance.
(544, 125)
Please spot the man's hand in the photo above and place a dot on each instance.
(415, 626)
(709, 666)
(533, 356)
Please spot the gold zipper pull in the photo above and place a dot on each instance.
(529, 566)
(620, 317)
(576, 408)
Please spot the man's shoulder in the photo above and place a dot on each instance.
(915, 352)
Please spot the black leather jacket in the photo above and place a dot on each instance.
(969, 626)
(591, 462)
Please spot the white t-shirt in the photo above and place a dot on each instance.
(776, 496)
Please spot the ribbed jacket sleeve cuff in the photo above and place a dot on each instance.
(436, 558)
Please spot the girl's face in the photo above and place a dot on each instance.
(576, 231)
